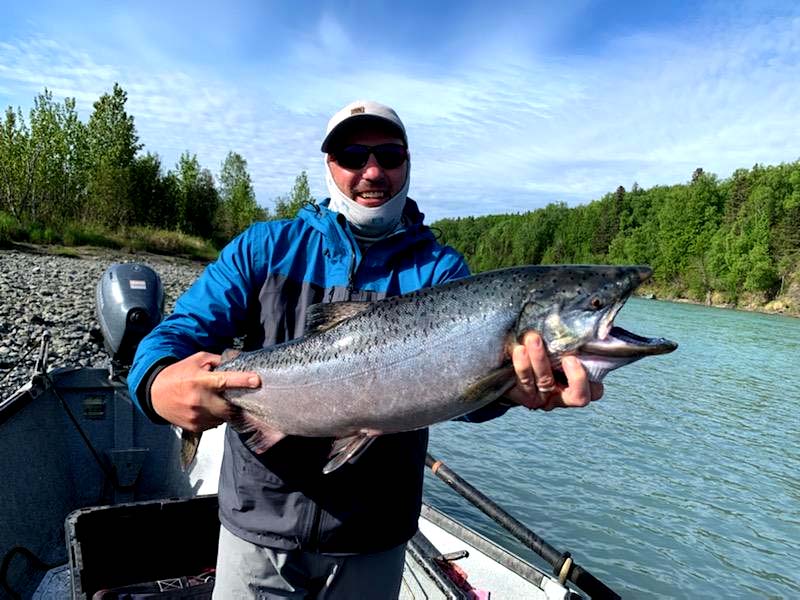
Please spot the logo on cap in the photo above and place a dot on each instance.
(357, 110)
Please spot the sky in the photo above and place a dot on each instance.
(508, 106)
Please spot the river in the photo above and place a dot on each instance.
(681, 482)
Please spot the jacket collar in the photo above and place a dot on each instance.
(337, 232)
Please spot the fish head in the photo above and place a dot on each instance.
(573, 309)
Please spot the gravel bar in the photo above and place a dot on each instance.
(45, 292)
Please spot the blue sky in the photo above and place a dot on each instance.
(508, 105)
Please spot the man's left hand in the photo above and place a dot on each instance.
(536, 387)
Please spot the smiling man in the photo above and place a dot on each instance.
(289, 530)
(367, 168)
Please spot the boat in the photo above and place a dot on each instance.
(94, 497)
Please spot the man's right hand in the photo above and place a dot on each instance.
(189, 394)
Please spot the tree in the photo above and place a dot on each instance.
(154, 199)
(112, 145)
(287, 207)
(198, 199)
(238, 207)
(58, 142)
(16, 165)
(42, 174)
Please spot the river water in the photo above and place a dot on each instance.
(683, 481)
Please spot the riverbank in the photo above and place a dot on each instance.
(787, 304)
(45, 288)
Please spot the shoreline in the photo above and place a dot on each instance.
(787, 305)
(763, 310)
(786, 308)
(52, 289)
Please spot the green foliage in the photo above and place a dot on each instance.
(740, 235)
(63, 181)
(10, 229)
(81, 234)
(238, 208)
(160, 241)
(154, 196)
(112, 144)
(286, 207)
(198, 199)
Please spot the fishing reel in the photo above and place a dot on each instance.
(129, 304)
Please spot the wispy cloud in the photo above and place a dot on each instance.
(505, 124)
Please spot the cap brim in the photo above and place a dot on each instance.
(357, 121)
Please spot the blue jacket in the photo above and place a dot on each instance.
(260, 287)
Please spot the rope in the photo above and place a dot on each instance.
(103, 467)
(18, 363)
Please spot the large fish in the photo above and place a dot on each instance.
(406, 362)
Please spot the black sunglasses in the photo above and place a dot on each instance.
(355, 156)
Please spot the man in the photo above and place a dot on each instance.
(288, 530)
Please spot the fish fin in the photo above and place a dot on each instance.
(189, 444)
(490, 387)
(229, 354)
(320, 317)
(262, 436)
(347, 449)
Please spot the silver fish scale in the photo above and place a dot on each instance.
(407, 361)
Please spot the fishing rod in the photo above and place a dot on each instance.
(563, 566)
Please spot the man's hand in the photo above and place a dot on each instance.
(189, 394)
(537, 388)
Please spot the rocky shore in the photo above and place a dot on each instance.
(42, 292)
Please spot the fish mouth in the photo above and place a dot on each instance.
(615, 341)
(619, 347)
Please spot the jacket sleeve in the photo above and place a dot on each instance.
(453, 266)
(208, 316)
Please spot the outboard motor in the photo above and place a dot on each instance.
(130, 303)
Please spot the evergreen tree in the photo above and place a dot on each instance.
(198, 199)
(238, 207)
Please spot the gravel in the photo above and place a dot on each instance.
(42, 292)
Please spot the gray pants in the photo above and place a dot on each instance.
(248, 571)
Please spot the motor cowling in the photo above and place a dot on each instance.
(129, 303)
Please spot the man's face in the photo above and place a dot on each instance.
(372, 185)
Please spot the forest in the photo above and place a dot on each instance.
(732, 241)
(65, 181)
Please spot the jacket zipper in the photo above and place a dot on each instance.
(352, 271)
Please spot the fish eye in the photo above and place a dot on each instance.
(596, 303)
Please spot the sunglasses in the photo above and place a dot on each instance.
(355, 156)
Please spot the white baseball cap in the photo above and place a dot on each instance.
(363, 110)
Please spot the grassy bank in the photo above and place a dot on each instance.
(131, 239)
